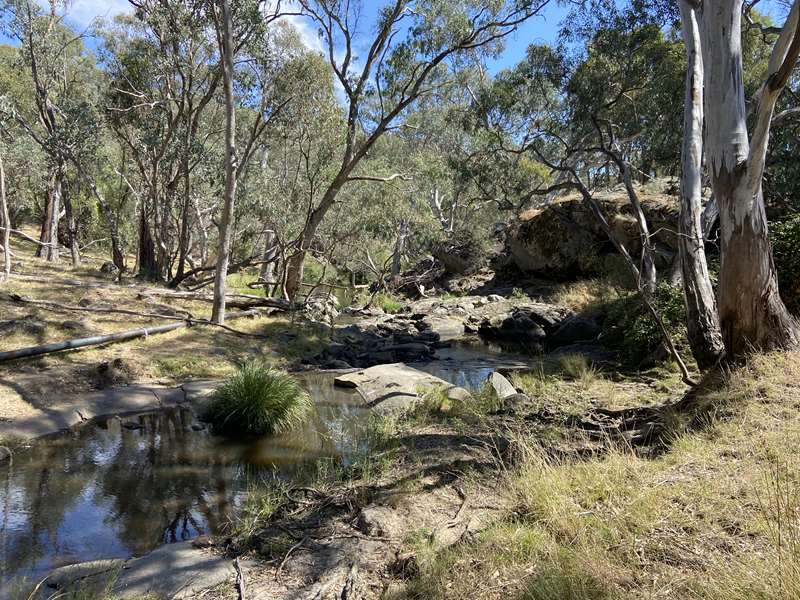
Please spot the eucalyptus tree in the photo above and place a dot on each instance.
(752, 314)
(5, 220)
(63, 81)
(273, 71)
(702, 318)
(163, 65)
(411, 43)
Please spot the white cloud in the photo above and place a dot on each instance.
(83, 12)
(304, 25)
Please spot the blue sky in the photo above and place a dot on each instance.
(543, 28)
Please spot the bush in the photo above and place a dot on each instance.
(258, 400)
(786, 250)
(630, 326)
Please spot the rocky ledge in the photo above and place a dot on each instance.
(373, 337)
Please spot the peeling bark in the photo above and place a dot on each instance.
(702, 320)
(752, 314)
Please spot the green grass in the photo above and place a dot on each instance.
(715, 517)
(185, 367)
(389, 303)
(259, 400)
(578, 368)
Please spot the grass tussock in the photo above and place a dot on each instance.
(586, 296)
(388, 303)
(715, 517)
(258, 400)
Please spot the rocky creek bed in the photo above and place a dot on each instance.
(153, 481)
(113, 487)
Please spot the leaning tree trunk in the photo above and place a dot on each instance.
(225, 229)
(296, 262)
(702, 320)
(752, 314)
(6, 225)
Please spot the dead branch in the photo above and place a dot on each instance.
(240, 584)
(113, 337)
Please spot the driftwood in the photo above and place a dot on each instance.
(112, 337)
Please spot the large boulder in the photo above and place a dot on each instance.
(574, 330)
(565, 239)
(528, 323)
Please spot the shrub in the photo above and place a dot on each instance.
(630, 326)
(259, 400)
(786, 249)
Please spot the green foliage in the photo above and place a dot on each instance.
(630, 327)
(388, 303)
(785, 239)
(519, 294)
(257, 400)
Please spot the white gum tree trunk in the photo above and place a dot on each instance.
(751, 312)
(225, 228)
(703, 330)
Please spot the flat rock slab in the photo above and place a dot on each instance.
(170, 572)
(447, 328)
(68, 413)
(391, 389)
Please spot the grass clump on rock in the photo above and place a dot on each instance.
(259, 400)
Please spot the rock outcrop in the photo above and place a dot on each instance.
(376, 338)
(564, 238)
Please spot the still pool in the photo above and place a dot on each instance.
(122, 486)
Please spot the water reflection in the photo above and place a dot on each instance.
(124, 486)
(469, 362)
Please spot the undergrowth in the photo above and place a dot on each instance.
(714, 517)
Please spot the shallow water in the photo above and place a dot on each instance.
(468, 362)
(123, 486)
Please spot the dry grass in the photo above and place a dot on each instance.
(196, 352)
(585, 296)
(715, 517)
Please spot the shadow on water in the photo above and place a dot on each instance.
(122, 486)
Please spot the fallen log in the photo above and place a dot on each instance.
(249, 300)
(120, 336)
